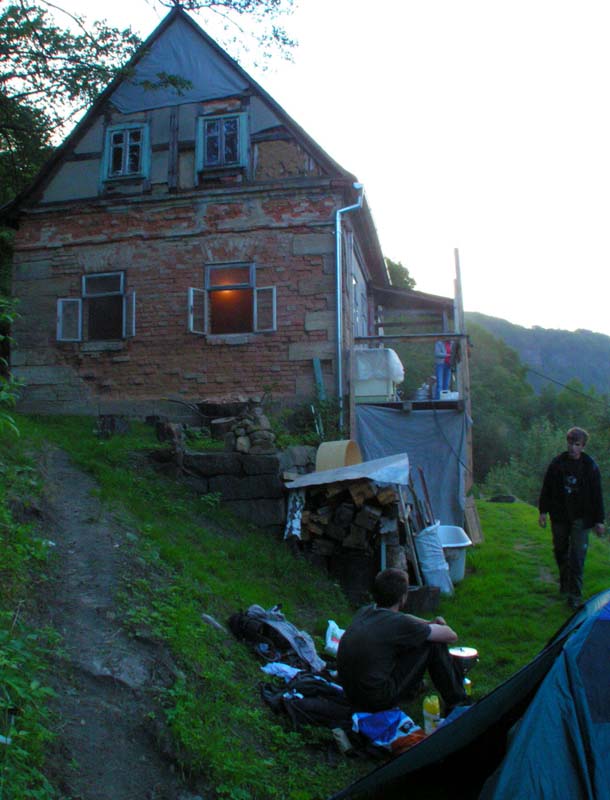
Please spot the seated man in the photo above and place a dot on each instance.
(384, 653)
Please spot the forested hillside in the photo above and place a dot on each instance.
(516, 431)
(558, 354)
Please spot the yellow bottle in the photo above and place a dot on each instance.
(432, 713)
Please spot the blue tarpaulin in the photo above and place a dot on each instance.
(433, 440)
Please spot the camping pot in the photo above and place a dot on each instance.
(464, 657)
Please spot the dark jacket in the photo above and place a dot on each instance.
(552, 498)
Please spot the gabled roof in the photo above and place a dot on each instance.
(189, 51)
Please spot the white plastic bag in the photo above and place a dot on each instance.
(432, 559)
(333, 636)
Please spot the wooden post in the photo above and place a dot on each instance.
(463, 369)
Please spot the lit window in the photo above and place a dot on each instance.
(231, 303)
(126, 152)
(221, 142)
(103, 312)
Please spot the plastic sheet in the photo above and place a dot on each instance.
(432, 561)
(380, 363)
(434, 440)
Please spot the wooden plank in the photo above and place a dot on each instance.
(472, 521)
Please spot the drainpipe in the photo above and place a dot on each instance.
(339, 290)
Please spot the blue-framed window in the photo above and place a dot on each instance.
(126, 151)
(105, 311)
(222, 141)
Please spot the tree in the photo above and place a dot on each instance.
(48, 75)
(503, 402)
(399, 275)
(263, 38)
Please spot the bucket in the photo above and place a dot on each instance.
(333, 455)
(454, 541)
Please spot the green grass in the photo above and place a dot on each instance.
(508, 605)
(190, 557)
(24, 716)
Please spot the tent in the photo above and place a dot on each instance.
(544, 733)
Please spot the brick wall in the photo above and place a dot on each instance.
(162, 247)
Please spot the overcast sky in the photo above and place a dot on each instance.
(473, 124)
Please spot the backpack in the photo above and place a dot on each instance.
(273, 638)
(310, 699)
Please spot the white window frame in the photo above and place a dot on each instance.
(196, 296)
(273, 327)
(242, 141)
(64, 301)
(193, 296)
(129, 315)
(127, 127)
(128, 323)
(94, 275)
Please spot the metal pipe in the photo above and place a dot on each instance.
(339, 294)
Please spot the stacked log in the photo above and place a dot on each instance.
(352, 516)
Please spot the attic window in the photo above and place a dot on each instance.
(221, 141)
(231, 303)
(126, 153)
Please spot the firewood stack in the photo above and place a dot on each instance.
(352, 515)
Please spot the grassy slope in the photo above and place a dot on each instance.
(193, 560)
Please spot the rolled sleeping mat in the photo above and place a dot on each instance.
(333, 455)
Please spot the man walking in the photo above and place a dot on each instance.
(384, 653)
(571, 494)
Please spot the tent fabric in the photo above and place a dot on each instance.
(181, 51)
(560, 748)
(435, 441)
(459, 758)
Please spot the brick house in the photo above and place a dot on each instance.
(193, 244)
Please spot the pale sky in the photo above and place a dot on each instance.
(473, 124)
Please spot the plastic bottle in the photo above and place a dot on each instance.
(468, 686)
(432, 713)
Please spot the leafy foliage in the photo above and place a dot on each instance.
(24, 717)
(48, 75)
(8, 385)
(399, 274)
(502, 400)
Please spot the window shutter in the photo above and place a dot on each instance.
(129, 315)
(265, 316)
(197, 311)
(69, 319)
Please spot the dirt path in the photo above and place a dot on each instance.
(105, 680)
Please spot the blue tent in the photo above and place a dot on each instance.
(561, 747)
(544, 734)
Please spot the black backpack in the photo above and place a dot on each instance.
(310, 699)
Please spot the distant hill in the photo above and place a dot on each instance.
(558, 354)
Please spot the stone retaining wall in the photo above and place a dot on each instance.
(251, 486)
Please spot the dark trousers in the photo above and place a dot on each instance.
(446, 676)
(570, 543)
